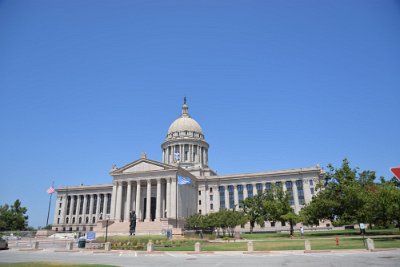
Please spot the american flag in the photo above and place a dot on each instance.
(50, 190)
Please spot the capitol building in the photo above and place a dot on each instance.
(151, 188)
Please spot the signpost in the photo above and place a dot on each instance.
(396, 172)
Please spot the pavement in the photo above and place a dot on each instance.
(55, 251)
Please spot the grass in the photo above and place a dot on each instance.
(51, 264)
(320, 240)
(316, 234)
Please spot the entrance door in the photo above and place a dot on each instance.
(152, 208)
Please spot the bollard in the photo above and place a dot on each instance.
(307, 245)
(107, 246)
(197, 247)
(36, 245)
(370, 244)
(337, 240)
(150, 246)
(70, 245)
(250, 247)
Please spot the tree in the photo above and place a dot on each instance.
(13, 217)
(254, 211)
(277, 207)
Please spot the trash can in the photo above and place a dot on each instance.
(81, 242)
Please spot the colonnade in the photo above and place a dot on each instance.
(136, 194)
(82, 209)
(195, 153)
(240, 191)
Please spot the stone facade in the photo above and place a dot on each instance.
(151, 188)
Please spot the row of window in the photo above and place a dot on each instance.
(73, 221)
(73, 210)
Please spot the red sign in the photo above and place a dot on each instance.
(396, 172)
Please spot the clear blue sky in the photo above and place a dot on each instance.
(274, 85)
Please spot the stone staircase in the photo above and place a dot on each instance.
(122, 228)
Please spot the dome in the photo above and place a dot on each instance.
(185, 124)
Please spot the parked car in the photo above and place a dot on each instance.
(3, 243)
(11, 237)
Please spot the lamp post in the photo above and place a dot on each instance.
(107, 218)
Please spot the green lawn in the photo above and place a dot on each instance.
(51, 264)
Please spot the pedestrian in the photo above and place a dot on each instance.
(302, 232)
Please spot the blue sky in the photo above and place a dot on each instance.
(274, 85)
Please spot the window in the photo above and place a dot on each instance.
(272, 224)
(58, 221)
(73, 220)
(210, 189)
(108, 204)
(199, 202)
(300, 191)
(199, 193)
(231, 197)
(278, 184)
(87, 220)
(312, 191)
(249, 190)
(94, 204)
(60, 205)
(101, 202)
(80, 220)
(87, 204)
(289, 191)
(222, 204)
(311, 182)
(199, 211)
(259, 188)
(211, 206)
(93, 219)
(268, 187)
(80, 204)
(240, 195)
(211, 198)
(67, 221)
(283, 223)
(75, 204)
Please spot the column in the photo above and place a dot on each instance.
(168, 197)
(235, 195)
(173, 213)
(163, 155)
(113, 200)
(118, 202)
(91, 199)
(98, 207)
(128, 201)
(138, 213)
(158, 199)
(295, 197)
(72, 207)
(216, 201)
(226, 197)
(148, 201)
(105, 205)
(163, 199)
(63, 208)
(84, 207)
(254, 189)
(78, 205)
(133, 204)
(245, 193)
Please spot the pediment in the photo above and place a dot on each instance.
(142, 165)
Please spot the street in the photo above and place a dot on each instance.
(177, 259)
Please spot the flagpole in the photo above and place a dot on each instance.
(48, 211)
